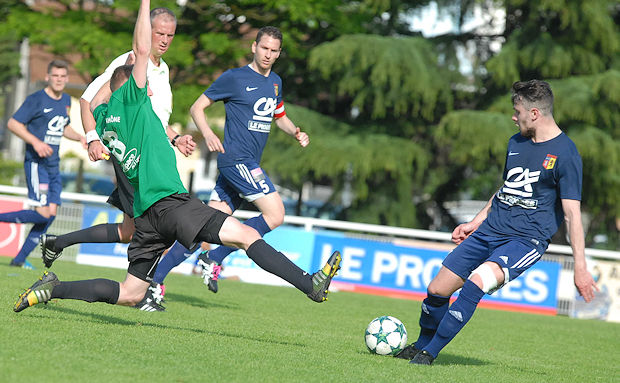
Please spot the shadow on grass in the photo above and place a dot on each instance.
(197, 302)
(101, 318)
(445, 360)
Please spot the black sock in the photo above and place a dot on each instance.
(267, 258)
(91, 290)
(103, 233)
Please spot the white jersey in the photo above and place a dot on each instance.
(158, 78)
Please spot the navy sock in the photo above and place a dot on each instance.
(258, 223)
(23, 216)
(103, 233)
(174, 257)
(457, 316)
(433, 309)
(32, 240)
(92, 290)
(267, 258)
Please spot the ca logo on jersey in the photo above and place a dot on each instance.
(55, 129)
(519, 181)
(518, 188)
(263, 114)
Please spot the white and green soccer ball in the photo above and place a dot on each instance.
(386, 335)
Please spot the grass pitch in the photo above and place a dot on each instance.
(254, 333)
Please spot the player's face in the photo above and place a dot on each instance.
(162, 33)
(266, 52)
(522, 119)
(57, 79)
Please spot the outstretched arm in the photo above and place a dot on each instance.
(142, 43)
(583, 279)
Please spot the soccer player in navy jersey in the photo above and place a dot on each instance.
(41, 121)
(542, 188)
(252, 97)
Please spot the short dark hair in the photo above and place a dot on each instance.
(533, 94)
(269, 31)
(162, 11)
(57, 64)
(120, 75)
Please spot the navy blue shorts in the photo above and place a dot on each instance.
(243, 181)
(44, 183)
(513, 255)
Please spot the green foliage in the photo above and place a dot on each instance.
(601, 170)
(380, 176)
(377, 74)
(8, 169)
(556, 39)
(424, 133)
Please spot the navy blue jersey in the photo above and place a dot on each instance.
(45, 118)
(536, 177)
(250, 100)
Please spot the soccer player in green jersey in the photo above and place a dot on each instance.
(163, 210)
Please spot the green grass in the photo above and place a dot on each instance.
(254, 333)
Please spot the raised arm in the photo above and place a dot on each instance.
(142, 43)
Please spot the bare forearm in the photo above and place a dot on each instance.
(286, 125)
(88, 121)
(72, 134)
(577, 240)
(198, 115)
(483, 214)
(142, 32)
(21, 131)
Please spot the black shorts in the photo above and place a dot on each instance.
(178, 217)
(122, 196)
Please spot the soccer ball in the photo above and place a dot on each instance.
(386, 335)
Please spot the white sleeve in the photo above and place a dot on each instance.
(97, 83)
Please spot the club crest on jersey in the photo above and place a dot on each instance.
(275, 89)
(549, 161)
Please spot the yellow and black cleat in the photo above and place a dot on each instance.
(39, 292)
(322, 278)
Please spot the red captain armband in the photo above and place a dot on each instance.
(280, 112)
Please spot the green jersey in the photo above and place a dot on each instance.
(129, 127)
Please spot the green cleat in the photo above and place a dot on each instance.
(322, 278)
(39, 292)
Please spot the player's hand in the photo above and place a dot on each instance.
(96, 151)
(83, 142)
(585, 284)
(213, 143)
(186, 145)
(42, 149)
(462, 231)
(302, 137)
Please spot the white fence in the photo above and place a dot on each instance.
(311, 223)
